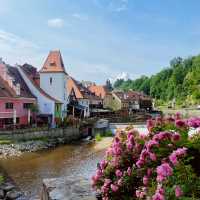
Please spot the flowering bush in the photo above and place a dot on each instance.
(156, 166)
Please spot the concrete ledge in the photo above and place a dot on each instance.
(67, 188)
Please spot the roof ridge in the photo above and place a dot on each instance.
(39, 88)
(53, 62)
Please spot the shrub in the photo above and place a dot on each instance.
(98, 137)
(156, 166)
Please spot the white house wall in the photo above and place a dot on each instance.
(86, 104)
(45, 104)
(58, 87)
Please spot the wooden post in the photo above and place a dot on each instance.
(29, 116)
(73, 111)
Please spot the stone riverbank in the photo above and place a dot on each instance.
(36, 140)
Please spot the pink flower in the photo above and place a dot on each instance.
(178, 191)
(152, 143)
(176, 137)
(176, 154)
(178, 115)
(180, 123)
(145, 180)
(137, 193)
(118, 173)
(129, 171)
(107, 182)
(159, 195)
(139, 163)
(153, 156)
(114, 187)
(149, 172)
(119, 182)
(129, 146)
(163, 171)
(103, 164)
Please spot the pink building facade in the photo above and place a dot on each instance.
(15, 98)
(15, 108)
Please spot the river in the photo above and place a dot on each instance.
(30, 169)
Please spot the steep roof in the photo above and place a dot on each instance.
(81, 91)
(39, 88)
(24, 90)
(53, 63)
(5, 89)
(32, 73)
(99, 90)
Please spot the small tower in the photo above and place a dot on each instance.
(53, 78)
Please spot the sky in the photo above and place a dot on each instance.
(100, 39)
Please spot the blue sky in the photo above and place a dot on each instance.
(100, 39)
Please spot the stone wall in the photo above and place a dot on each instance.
(69, 134)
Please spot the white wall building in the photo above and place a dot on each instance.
(46, 104)
(53, 79)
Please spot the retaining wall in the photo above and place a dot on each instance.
(70, 133)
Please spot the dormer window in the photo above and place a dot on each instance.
(52, 64)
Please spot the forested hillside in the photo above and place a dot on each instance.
(180, 81)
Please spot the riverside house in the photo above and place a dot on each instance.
(49, 86)
(87, 101)
(49, 108)
(130, 101)
(15, 98)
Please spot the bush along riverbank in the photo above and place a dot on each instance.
(163, 165)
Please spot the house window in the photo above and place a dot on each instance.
(9, 105)
(50, 80)
(27, 105)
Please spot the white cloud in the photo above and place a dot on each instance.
(55, 23)
(118, 5)
(123, 75)
(80, 17)
(121, 8)
(15, 49)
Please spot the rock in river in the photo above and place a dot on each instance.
(67, 188)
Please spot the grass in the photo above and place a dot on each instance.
(5, 141)
(99, 136)
(2, 179)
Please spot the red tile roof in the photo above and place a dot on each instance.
(131, 95)
(5, 89)
(81, 92)
(99, 90)
(24, 90)
(53, 63)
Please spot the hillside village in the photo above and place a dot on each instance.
(29, 96)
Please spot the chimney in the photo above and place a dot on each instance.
(10, 81)
(18, 91)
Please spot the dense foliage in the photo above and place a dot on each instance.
(180, 81)
(162, 165)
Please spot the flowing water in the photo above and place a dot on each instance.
(30, 169)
